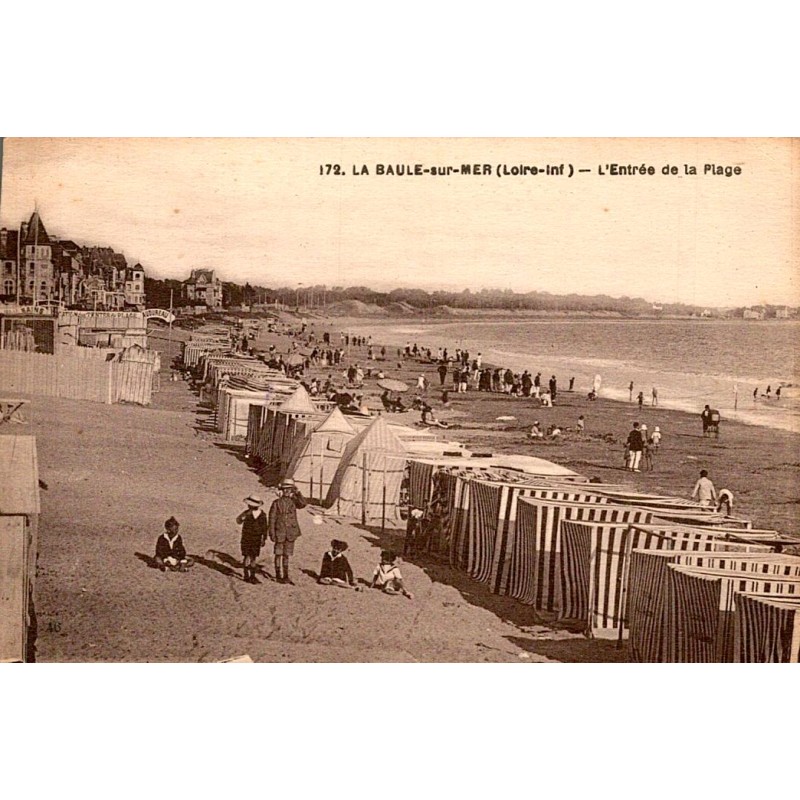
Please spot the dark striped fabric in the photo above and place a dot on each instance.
(594, 571)
(767, 631)
(692, 617)
(647, 605)
(494, 540)
(537, 566)
(420, 483)
(647, 600)
(756, 564)
(730, 585)
(458, 522)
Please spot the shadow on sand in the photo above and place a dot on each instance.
(567, 643)
(440, 571)
(575, 649)
(228, 565)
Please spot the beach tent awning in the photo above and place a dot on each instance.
(298, 403)
(335, 422)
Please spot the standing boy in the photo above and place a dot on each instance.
(283, 527)
(254, 533)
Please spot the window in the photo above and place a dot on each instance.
(9, 287)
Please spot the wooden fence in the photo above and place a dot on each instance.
(76, 377)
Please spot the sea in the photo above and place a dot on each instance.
(727, 364)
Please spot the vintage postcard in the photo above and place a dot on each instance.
(399, 400)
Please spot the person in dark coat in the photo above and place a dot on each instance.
(635, 444)
(254, 533)
(553, 387)
(170, 552)
(283, 527)
(336, 569)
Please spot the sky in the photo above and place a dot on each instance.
(259, 211)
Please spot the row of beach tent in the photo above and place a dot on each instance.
(677, 581)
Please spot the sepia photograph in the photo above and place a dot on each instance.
(399, 400)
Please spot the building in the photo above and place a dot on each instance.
(39, 270)
(9, 258)
(36, 258)
(68, 266)
(782, 312)
(134, 287)
(757, 312)
(204, 287)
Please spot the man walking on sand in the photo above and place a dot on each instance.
(704, 490)
(283, 527)
(635, 447)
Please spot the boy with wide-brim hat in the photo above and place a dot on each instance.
(336, 569)
(283, 527)
(254, 533)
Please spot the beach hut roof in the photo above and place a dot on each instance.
(378, 436)
(298, 403)
(531, 465)
(335, 422)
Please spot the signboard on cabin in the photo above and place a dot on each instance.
(159, 313)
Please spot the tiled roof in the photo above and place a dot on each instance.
(206, 274)
(36, 231)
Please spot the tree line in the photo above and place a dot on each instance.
(420, 300)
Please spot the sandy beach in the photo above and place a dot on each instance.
(113, 474)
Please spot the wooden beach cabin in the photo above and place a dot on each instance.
(19, 518)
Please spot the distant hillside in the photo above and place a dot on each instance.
(355, 308)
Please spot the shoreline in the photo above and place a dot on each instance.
(716, 390)
(499, 423)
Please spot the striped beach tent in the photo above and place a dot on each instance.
(595, 559)
(685, 536)
(277, 428)
(440, 488)
(700, 609)
(367, 483)
(317, 455)
(645, 596)
(766, 630)
(493, 541)
(537, 567)
(676, 509)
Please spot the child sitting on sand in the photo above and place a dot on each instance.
(536, 431)
(336, 569)
(387, 576)
(170, 552)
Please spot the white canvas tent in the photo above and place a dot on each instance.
(369, 478)
(316, 457)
